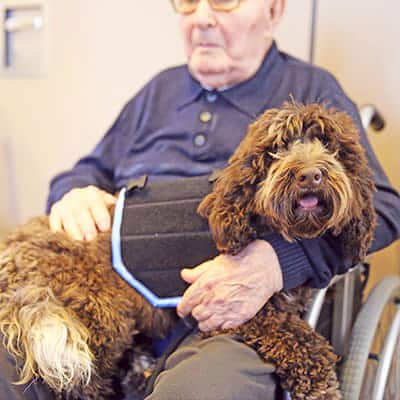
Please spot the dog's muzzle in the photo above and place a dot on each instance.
(310, 201)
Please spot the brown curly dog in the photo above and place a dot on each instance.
(66, 315)
(71, 321)
(300, 171)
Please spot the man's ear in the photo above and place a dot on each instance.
(276, 10)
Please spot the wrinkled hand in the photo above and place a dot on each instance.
(82, 213)
(229, 290)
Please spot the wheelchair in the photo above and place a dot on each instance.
(365, 335)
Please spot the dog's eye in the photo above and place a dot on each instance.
(312, 130)
(324, 140)
(273, 149)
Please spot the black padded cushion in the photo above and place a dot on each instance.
(162, 233)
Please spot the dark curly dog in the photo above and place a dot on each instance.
(302, 172)
(71, 321)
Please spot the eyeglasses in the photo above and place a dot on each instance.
(189, 6)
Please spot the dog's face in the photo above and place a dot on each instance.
(299, 171)
(306, 191)
(308, 157)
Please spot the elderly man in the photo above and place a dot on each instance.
(187, 121)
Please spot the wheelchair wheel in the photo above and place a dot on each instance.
(371, 369)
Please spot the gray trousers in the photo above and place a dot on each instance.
(218, 368)
(10, 391)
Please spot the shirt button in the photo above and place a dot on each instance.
(200, 140)
(211, 97)
(205, 116)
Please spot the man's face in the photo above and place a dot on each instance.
(225, 48)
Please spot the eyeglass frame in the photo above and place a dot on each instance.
(210, 2)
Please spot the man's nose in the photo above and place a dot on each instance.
(310, 177)
(204, 15)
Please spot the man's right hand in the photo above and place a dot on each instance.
(82, 213)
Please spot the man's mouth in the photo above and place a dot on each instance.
(206, 45)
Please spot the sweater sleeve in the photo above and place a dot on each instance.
(315, 261)
(98, 167)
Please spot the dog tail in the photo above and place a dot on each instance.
(45, 339)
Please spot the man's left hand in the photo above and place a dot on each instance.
(229, 290)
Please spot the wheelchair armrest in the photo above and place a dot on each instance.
(318, 299)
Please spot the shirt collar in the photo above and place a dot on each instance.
(249, 97)
(191, 90)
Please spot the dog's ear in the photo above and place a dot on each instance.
(229, 221)
(263, 138)
(357, 234)
(229, 208)
(343, 136)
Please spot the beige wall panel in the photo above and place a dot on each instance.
(45, 118)
(293, 33)
(358, 41)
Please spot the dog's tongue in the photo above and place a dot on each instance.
(309, 201)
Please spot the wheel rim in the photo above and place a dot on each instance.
(367, 337)
(392, 388)
(392, 391)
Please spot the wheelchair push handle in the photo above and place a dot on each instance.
(372, 117)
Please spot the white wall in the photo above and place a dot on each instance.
(358, 41)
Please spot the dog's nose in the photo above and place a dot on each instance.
(309, 177)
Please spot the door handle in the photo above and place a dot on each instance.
(23, 23)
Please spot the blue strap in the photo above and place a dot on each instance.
(120, 267)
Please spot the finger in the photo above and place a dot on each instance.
(101, 215)
(71, 227)
(191, 298)
(197, 293)
(230, 325)
(190, 275)
(201, 313)
(55, 220)
(86, 224)
(109, 199)
(212, 323)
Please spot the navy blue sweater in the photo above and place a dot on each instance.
(173, 127)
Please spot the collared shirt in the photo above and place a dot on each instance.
(174, 127)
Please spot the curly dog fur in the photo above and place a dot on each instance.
(66, 315)
(300, 171)
(268, 177)
(70, 320)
